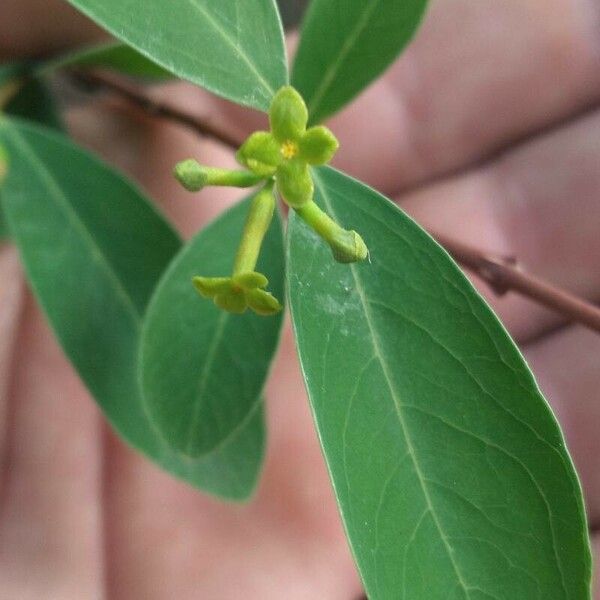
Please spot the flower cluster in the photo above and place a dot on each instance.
(282, 159)
(289, 148)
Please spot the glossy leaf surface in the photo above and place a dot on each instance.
(94, 249)
(449, 467)
(203, 369)
(115, 56)
(233, 48)
(346, 44)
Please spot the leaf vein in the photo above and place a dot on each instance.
(377, 347)
(205, 375)
(249, 63)
(350, 40)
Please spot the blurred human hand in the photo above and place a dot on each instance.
(486, 129)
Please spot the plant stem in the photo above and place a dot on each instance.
(231, 178)
(256, 226)
(324, 225)
(194, 176)
(501, 274)
(151, 107)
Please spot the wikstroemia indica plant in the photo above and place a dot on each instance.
(449, 468)
(284, 154)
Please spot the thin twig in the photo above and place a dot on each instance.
(151, 107)
(500, 273)
(503, 275)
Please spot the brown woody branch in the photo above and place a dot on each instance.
(503, 275)
(500, 273)
(149, 106)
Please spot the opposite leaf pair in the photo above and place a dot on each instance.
(281, 157)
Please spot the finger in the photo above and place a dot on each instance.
(37, 27)
(11, 297)
(538, 203)
(478, 76)
(192, 543)
(51, 518)
(567, 367)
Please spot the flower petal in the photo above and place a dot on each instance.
(232, 301)
(250, 281)
(261, 153)
(209, 287)
(318, 145)
(263, 303)
(295, 182)
(288, 115)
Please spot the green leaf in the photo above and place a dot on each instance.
(203, 369)
(116, 56)
(450, 470)
(93, 249)
(33, 102)
(11, 71)
(233, 48)
(346, 44)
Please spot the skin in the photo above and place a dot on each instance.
(486, 129)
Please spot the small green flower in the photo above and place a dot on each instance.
(243, 289)
(237, 293)
(289, 148)
(280, 157)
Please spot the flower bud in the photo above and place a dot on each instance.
(348, 247)
(193, 176)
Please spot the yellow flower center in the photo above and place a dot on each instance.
(289, 149)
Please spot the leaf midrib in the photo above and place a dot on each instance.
(204, 377)
(62, 201)
(125, 26)
(377, 348)
(96, 252)
(238, 51)
(386, 369)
